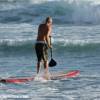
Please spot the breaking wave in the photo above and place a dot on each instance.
(28, 45)
(62, 11)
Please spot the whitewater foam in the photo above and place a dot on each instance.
(71, 11)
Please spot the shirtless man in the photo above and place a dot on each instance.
(43, 43)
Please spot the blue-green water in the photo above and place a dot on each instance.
(76, 46)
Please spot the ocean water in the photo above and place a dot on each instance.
(76, 46)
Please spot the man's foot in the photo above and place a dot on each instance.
(47, 76)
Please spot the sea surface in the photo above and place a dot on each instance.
(76, 46)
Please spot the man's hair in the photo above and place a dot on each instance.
(48, 19)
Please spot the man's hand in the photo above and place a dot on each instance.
(50, 46)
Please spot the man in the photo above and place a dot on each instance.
(43, 43)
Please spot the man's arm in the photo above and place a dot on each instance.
(48, 36)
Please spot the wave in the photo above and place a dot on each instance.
(28, 46)
(62, 11)
(16, 45)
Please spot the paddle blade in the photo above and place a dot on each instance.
(52, 63)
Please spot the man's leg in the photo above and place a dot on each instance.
(46, 66)
(38, 66)
(47, 75)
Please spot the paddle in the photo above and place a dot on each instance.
(52, 62)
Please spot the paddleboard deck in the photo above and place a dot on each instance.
(62, 75)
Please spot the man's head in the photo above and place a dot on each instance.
(48, 20)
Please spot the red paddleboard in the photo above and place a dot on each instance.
(66, 75)
(63, 75)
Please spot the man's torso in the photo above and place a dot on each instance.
(42, 32)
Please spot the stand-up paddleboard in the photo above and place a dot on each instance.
(62, 75)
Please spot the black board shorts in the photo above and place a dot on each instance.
(41, 51)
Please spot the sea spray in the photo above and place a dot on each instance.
(66, 11)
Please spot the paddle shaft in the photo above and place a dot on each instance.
(52, 62)
(51, 52)
(50, 48)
